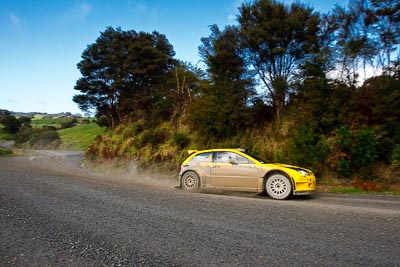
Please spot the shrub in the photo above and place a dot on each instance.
(308, 149)
(181, 140)
(5, 151)
(359, 150)
(343, 168)
(37, 138)
(395, 158)
(69, 124)
(367, 185)
(11, 124)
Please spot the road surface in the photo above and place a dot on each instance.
(55, 212)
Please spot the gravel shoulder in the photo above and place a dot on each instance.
(55, 212)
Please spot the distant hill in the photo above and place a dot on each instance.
(4, 112)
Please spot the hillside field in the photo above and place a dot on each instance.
(79, 137)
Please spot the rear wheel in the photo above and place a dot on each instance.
(278, 186)
(190, 181)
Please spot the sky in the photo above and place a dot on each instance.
(43, 40)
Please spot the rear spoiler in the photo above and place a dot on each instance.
(190, 152)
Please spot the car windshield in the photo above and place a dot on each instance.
(255, 157)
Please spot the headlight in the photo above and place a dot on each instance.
(301, 171)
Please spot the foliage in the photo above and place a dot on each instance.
(68, 124)
(5, 152)
(357, 149)
(11, 124)
(37, 138)
(395, 157)
(122, 73)
(308, 148)
(276, 39)
(284, 82)
(221, 107)
(5, 136)
(57, 122)
(181, 140)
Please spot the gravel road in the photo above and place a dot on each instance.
(54, 212)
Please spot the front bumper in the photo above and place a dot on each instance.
(303, 193)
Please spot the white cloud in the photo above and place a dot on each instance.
(80, 12)
(145, 10)
(14, 19)
(233, 10)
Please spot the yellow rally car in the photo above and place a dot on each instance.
(238, 170)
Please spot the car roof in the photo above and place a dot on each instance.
(216, 150)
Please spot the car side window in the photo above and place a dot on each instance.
(243, 160)
(226, 157)
(202, 157)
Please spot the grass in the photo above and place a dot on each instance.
(5, 136)
(360, 191)
(79, 137)
(348, 187)
(4, 152)
(39, 121)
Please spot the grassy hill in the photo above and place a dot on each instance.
(5, 136)
(79, 137)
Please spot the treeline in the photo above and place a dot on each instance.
(285, 82)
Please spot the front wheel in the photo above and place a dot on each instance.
(278, 186)
(190, 181)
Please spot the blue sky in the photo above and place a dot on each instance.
(42, 40)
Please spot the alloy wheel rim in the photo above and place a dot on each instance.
(190, 181)
(278, 186)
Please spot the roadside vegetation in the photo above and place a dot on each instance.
(285, 82)
(5, 136)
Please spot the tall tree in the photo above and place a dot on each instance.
(122, 72)
(387, 14)
(277, 38)
(231, 82)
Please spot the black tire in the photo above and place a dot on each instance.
(278, 186)
(190, 181)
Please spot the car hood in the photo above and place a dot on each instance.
(281, 165)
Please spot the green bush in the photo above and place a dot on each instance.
(359, 150)
(181, 140)
(37, 138)
(343, 168)
(69, 124)
(363, 150)
(395, 158)
(308, 148)
(5, 151)
(44, 139)
(11, 124)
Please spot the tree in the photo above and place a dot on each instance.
(11, 124)
(387, 14)
(366, 35)
(276, 39)
(121, 73)
(224, 102)
(184, 82)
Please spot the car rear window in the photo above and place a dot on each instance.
(202, 157)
